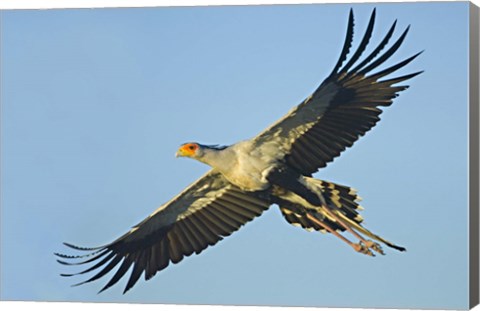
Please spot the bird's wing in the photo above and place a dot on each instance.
(208, 210)
(343, 108)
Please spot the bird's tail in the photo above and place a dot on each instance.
(338, 212)
(342, 197)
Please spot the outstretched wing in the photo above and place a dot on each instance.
(343, 108)
(208, 210)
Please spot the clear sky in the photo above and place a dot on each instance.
(95, 103)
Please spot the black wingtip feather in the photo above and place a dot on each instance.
(347, 44)
(68, 263)
(63, 262)
(77, 256)
(134, 276)
(67, 256)
(378, 49)
(385, 56)
(66, 275)
(81, 248)
(364, 43)
(102, 272)
(126, 264)
(394, 81)
(394, 68)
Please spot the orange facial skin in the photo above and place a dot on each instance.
(187, 150)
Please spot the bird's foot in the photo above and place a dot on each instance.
(374, 246)
(361, 248)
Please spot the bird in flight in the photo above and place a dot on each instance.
(273, 168)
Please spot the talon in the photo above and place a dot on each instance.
(361, 248)
(375, 246)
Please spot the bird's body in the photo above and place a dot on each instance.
(242, 164)
(274, 167)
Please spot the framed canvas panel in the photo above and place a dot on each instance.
(96, 103)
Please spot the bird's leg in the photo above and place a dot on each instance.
(367, 243)
(364, 246)
(361, 248)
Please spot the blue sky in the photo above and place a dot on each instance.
(95, 103)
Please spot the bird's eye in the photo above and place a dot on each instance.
(191, 147)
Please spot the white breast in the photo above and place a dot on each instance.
(245, 164)
(248, 166)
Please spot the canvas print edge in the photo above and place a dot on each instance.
(474, 156)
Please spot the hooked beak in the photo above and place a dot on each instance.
(180, 153)
(186, 150)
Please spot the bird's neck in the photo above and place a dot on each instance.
(215, 158)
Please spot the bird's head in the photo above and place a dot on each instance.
(190, 150)
(199, 152)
